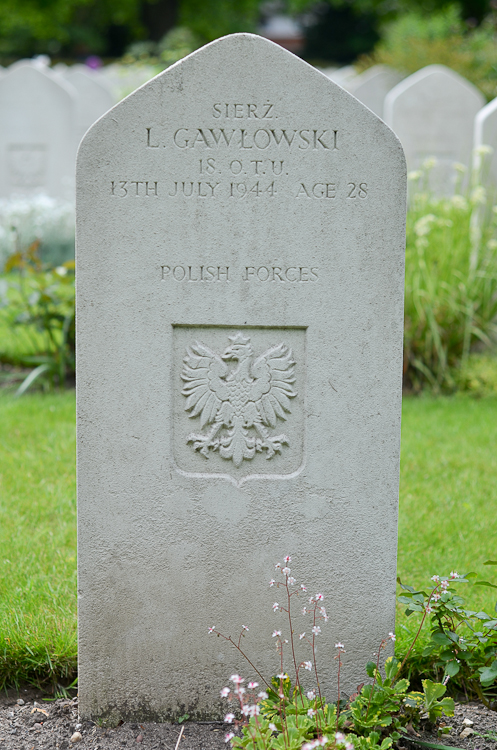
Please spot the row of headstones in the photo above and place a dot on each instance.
(44, 113)
(435, 113)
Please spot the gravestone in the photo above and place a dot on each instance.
(93, 98)
(240, 319)
(372, 86)
(343, 76)
(432, 112)
(37, 144)
(486, 135)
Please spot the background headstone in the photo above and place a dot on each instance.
(486, 135)
(37, 143)
(94, 98)
(240, 321)
(343, 76)
(372, 86)
(432, 112)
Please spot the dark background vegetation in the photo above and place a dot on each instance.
(336, 30)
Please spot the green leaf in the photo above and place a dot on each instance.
(440, 638)
(452, 668)
(490, 562)
(486, 583)
(370, 668)
(33, 375)
(488, 674)
(433, 691)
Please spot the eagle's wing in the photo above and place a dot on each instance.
(205, 389)
(273, 388)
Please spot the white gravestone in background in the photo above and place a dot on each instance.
(486, 135)
(433, 112)
(240, 317)
(372, 86)
(93, 98)
(37, 143)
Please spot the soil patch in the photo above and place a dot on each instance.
(27, 722)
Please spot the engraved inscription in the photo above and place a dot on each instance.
(281, 274)
(238, 404)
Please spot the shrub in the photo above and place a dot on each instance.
(415, 40)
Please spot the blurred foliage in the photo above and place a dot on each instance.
(43, 301)
(173, 46)
(415, 40)
(451, 281)
(478, 376)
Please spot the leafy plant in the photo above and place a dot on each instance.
(285, 717)
(463, 642)
(43, 300)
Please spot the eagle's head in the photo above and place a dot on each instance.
(240, 348)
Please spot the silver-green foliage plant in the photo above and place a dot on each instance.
(285, 715)
(451, 279)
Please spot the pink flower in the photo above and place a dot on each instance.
(391, 636)
(287, 559)
(236, 679)
(302, 635)
(339, 737)
(276, 607)
(254, 710)
(272, 582)
(319, 597)
(286, 571)
(436, 597)
(445, 585)
(211, 630)
(454, 574)
(245, 710)
(239, 690)
(262, 695)
(303, 588)
(311, 695)
(244, 627)
(225, 692)
(252, 685)
(282, 676)
(428, 609)
(229, 718)
(228, 736)
(307, 665)
(316, 630)
(339, 645)
(276, 633)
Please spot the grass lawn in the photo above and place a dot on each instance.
(448, 518)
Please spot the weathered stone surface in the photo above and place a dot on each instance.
(37, 143)
(486, 135)
(433, 112)
(93, 98)
(240, 284)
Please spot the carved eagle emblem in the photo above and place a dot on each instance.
(241, 402)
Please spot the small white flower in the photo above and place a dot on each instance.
(291, 581)
(228, 736)
(339, 645)
(436, 579)
(239, 690)
(302, 635)
(236, 679)
(302, 587)
(319, 597)
(254, 710)
(391, 636)
(282, 676)
(436, 597)
(245, 710)
(316, 630)
(287, 559)
(304, 610)
(244, 627)
(229, 718)
(225, 692)
(311, 694)
(278, 565)
(276, 633)
(272, 582)
(272, 727)
(61, 271)
(311, 712)
(211, 630)
(339, 737)
(428, 609)
(307, 665)
(253, 685)
(276, 607)
(262, 695)
(286, 571)
(311, 599)
(454, 574)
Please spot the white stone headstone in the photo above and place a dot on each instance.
(372, 86)
(93, 99)
(486, 135)
(37, 143)
(343, 76)
(240, 320)
(433, 112)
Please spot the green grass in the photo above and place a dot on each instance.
(37, 538)
(448, 518)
